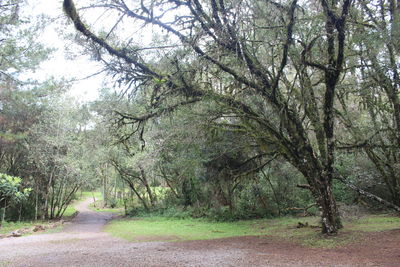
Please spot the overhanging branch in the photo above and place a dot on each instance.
(365, 193)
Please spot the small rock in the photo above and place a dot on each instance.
(302, 225)
(16, 233)
(38, 228)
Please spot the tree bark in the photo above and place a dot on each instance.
(330, 217)
(147, 186)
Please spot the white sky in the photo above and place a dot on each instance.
(80, 66)
(58, 65)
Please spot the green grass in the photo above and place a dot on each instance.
(70, 211)
(168, 229)
(111, 210)
(160, 228)
(86, 194)
(376, 223)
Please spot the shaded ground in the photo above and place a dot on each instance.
(82, 243)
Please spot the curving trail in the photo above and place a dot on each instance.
(82, 243)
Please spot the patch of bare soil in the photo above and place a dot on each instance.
(82, 243)
(374, 249)
(155, 238)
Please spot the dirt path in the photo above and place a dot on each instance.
(82, 243)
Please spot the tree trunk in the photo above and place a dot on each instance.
(36, 202)
(320, 186)
(132, 187)
(3, 216)
(330, 218)
(147, 186)
(20, 212)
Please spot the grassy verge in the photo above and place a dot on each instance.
(98, 204)
(111, 210)
(160, 228)
(167, 229)
(87, 194)
(9, 227)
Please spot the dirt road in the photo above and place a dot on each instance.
(82, 243)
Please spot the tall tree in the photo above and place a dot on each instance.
(275, 67)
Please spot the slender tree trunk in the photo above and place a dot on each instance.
(94, 200)
(45, 214)
(273, 191)
(20, 212)
(147, 186)
(146, 207)
(36, 202)
(125, 205)
(168, 182)
(3, 216)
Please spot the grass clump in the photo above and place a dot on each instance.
(376, 223)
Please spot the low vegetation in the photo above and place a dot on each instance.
(305, 231)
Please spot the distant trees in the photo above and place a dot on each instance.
(11, 193)
(192, 165)
(41, 133)
(376, 42)
(42, 141)
(58, 156)
(20, 49)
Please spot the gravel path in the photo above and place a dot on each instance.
(82, 243)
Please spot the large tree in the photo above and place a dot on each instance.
(274, 66)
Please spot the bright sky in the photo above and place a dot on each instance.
(58, 65)
(80, 66)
